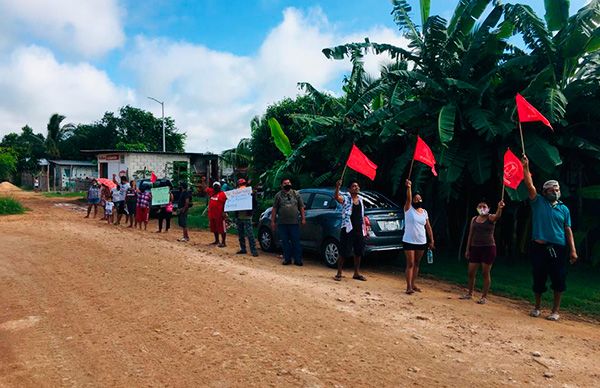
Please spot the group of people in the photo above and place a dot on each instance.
(552, 237)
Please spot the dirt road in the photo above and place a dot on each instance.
(87, 304)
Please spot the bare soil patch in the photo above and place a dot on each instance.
(85, 303)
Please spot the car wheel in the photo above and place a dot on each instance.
(330, 252)
(265, 239)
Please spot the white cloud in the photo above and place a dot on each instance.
(89, 28)
(35, 85)
(213, 95)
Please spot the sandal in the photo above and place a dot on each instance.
(483, 300)
(359, 277)
(553, 317)
(221, 245)
(466, 297)
(417, 289)
(410, 292)
(337, 278)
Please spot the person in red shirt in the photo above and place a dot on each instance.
(216, 214)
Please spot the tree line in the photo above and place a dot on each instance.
(130, 129)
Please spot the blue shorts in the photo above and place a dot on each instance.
(94, 201)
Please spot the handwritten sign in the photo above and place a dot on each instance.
(160, 196)
(239, 199)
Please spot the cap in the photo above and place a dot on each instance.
(241, 181)
(216, 184)
(549, 184)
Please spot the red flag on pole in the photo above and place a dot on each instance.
(152, 177)
(360, 163)
(513, 170)
(423, 154)
(527, 112)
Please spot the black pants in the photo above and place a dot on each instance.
(163, 214)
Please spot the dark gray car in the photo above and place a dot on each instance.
(323, 223)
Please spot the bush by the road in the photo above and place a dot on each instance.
(10, 206)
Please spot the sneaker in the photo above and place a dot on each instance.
(535, 313)
(255, 254)
(298, 263)
(466, 297)
(240, 252)
(553, 317)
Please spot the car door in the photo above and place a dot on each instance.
(304, 230)
(321, 204)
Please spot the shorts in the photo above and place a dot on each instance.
(351, 243)
(482, 255)
(108, 212)
(131, 208)
(182, 220)
(217, 225)
(141, 214)
(549, 260)
(94, 201)
(413, 247)
(120, 206)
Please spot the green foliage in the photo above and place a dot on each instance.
(557, 13)
(131, 146)
(279, 138)
(8, 163)
(10, 205)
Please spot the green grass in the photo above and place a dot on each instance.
(514, 280)
(10, 206)
(196, 219)
(59, 194)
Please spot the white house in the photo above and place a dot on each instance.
(139, 164)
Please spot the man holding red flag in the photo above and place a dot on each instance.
(551, 221)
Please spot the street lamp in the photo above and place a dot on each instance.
(162, 104)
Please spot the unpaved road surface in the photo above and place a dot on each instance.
(87, 304)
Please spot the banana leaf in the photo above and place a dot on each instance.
(446, 120)
(541, 152)
(281, 140)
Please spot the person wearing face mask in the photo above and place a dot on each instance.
(481, 248)
(93, 198)
(287, 208)
(551, 233)
(416, 231)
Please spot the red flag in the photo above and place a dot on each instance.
(513, 170)
(360, 163)
(152, 177)
(528, 113)
(423, 154)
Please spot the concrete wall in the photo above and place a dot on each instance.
(132, 163)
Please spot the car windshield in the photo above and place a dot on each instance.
(374, 200)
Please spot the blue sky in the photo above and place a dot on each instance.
(215, 63)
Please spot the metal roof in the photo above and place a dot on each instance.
(74, 163)
(112, 151)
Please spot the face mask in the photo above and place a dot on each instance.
(484, 211)
(417, 205)
(287, 187)
(553, 197)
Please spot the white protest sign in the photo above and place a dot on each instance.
(239, 199)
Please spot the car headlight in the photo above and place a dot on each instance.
(371, 233)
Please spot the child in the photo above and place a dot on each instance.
(108, 209)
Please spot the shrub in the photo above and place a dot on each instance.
(10, 206)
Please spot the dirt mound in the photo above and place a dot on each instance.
(7, 186)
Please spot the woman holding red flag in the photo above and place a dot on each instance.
(481, 248)
(416, 231)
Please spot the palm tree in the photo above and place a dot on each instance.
(56, 134)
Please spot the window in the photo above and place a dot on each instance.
(373, 200)
(321, 201)
(305, 197)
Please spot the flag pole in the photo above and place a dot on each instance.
(412, 162)
(344, 172)
(522, 141)
(503, 189)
